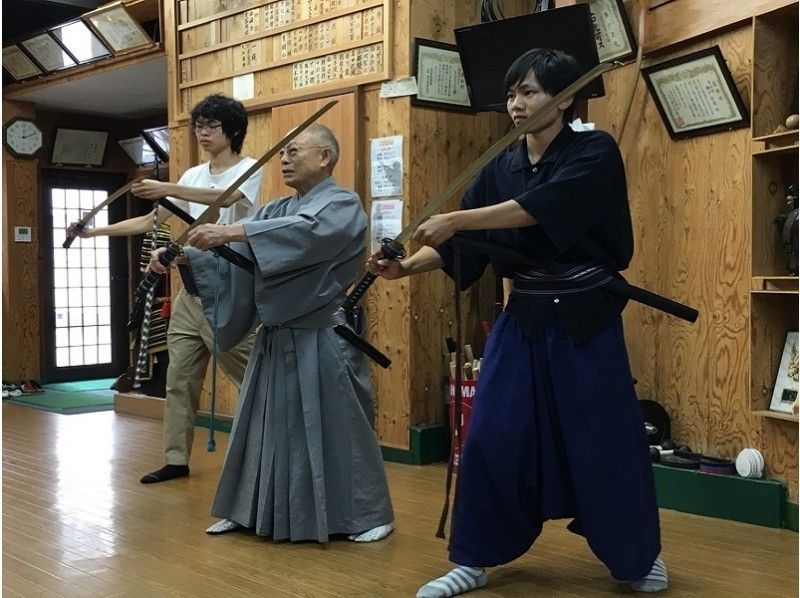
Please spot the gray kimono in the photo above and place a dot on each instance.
(303, 461)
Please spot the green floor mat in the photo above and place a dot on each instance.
(67, 402)
(102, 384)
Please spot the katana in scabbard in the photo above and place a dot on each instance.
(174, 248)
(393, 248)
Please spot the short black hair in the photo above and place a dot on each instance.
(553, 69)
(228, 111)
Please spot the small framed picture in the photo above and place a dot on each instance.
(81, 41)
(696, 94)
(79, 147)
(48, 53)
(612, 30)
(117, 28)
(786, 382)
(18, 65)
(440, 77)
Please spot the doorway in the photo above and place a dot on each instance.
(84, 298)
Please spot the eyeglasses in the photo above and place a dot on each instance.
(210, 127)
(293, 150)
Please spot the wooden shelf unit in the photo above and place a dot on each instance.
(773, 292)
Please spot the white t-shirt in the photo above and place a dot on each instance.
(200, 176)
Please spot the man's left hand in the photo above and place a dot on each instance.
(207, 236)
(436, 230)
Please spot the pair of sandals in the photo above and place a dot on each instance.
(27, 387)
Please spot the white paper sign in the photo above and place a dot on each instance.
(407, 86)
(244, 87)
(386, 221)
(387, 166)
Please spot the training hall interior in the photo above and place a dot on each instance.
(701, 97)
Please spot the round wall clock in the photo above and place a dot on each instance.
(22, 137)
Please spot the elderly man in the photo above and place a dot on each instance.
(303, 462)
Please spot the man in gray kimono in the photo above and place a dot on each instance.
(303, 462)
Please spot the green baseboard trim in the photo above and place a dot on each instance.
(221, 424)
(791, 516)
(760, 502)
(427, 444)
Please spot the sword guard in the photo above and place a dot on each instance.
(79, 226)
(392, 249)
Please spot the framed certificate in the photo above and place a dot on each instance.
(18, 65)
(117, 28)
(440, 77)
(612, 30)
(696, 94)
(79, 147)
(48, 53)
(81, 41)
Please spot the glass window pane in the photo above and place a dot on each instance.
(88, 255)
(89, 316)
(73, 215)
(104, 335)
(62, 357)
(101, 259)
(59, 257)
(57, 197)
(74, 256)
(90, 297)
(100, 242)
(103, 277)
(61, 299)
(75, 295)
(62, 337)
(76, 355)
(103, 296)
(100, 196)
(73, 199)
(75, 318)
(59, 218)
(104, 354)
(61, 317)
(60, 278)
(90, 335)
(90, 355)
(104, 315)
(101, 218)
(88, 278)
(75, 336)
(87, 200)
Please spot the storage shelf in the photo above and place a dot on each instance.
(789, 417)
(781, 139)
(783, 149)
(775, 284)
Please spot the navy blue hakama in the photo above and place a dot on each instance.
(529, 457)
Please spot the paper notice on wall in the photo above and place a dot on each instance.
(244, 87)
(387, 166)
(386, 221)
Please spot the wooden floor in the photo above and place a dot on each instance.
(77, 522)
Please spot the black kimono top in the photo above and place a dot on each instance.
(578, 195)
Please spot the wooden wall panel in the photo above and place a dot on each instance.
(21, 318)
(690, 203)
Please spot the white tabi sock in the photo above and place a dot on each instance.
(223, 526)
(459, 580)
(655, 581)
(374, 534)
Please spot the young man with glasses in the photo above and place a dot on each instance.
(303, 462)
(220, 126)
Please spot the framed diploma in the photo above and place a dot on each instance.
(696, 94)
(79, 147)
(117, 28)
(612, 30)
(440, 78)
(18, 65)
(48, 53)
(81, 41)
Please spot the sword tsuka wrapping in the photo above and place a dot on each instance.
(162, 240)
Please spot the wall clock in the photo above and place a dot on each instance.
(22, 137)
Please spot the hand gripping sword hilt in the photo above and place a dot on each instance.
(390, 249)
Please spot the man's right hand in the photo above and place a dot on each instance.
(386, 268)
(73, 230)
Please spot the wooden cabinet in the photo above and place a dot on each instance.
(774, 293)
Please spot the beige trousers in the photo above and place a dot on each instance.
(189, 341)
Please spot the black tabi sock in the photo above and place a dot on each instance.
(168, 472)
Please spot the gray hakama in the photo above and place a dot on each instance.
(303, 461)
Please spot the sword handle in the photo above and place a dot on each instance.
(79, 226)
(150, 281)
(390, 249)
